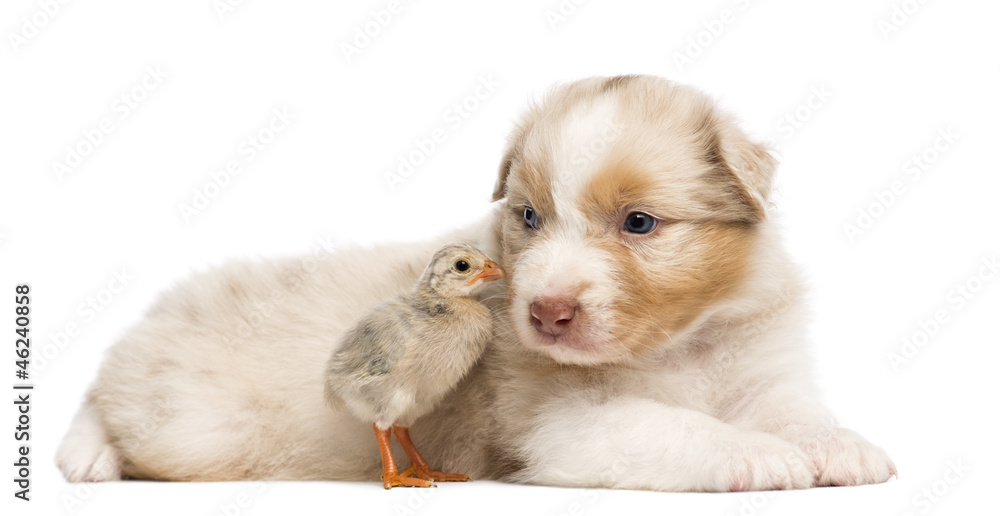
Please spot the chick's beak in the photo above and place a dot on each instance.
(491, 271)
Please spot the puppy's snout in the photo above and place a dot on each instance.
(553, 315)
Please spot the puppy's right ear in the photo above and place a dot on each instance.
(500, 188)
(515, 146)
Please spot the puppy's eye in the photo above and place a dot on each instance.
(530, 217)
(639, 223)
(461, 266)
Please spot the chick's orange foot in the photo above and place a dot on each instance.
(402, 480)
(418, 464)
(390, 475)
(435, 475)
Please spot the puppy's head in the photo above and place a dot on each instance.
(630, 207)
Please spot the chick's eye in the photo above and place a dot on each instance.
(461, 266)
(530, 217)
(639, 223)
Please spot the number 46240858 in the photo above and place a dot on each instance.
(22, 322)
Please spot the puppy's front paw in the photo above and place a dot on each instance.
(761, 461)
(844, 458)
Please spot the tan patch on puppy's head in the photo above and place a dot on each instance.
(595, 152)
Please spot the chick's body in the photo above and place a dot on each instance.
(404, 356)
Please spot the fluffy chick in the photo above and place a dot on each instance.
(402, 358)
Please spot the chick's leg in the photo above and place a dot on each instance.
(390, 475)
(418, 465)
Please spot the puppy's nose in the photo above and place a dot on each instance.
(553, 315)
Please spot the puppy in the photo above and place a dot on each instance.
(653, 334)
(657, 324)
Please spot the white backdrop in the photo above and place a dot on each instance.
(140, 142)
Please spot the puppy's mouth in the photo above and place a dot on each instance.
(580, 339)
(572, 339)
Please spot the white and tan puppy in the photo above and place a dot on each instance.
(653, 336)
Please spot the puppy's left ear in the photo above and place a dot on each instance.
(752, 166)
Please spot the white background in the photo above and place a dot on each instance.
(323, 178)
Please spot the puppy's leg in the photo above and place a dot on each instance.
(840, 456)
(635, 443)
(85, 454)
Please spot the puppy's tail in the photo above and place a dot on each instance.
(85, 454)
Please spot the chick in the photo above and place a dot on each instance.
(402, 358)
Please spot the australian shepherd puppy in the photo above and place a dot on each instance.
(650, 335)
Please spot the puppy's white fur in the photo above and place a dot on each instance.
(687, 370)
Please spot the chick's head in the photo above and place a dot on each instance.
(459, 270)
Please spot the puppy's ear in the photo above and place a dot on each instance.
(515, 145)
(500, 188)
(751, 167)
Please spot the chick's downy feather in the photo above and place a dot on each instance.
(405, 355)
